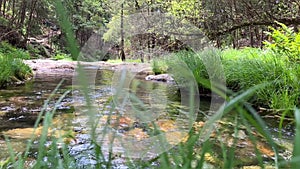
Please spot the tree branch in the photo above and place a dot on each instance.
(286, 21)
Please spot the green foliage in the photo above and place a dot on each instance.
(62, 56)
(244, 69)
(286, 43)
(12, 69)
(186, 8)
(3, 21)
(159, 66)
(254, 66)
(113, 32)
(12, 52)
(33, 51)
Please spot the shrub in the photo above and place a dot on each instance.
(286, 43)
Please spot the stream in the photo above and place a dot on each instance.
(20, 106)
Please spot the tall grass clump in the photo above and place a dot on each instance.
(12, 69)
(249, 67)
(243, 69)
(194, 61)
(285, 47)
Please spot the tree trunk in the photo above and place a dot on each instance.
(13, 11)
(4, 6)
(122, 53)
(139, 48)
(218, 40)
(296, 28)
(251, 37)
(148, 35)
(0, 5)
(262, 38)
(233, 39)
(257, 37)
(22, 14)
(32, 9)
(237, 38)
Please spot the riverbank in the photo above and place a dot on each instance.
(13, 71)
(241, 70)
(48, 66)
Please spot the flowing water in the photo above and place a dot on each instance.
(20, 106)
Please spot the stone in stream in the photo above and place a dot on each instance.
(161, 77)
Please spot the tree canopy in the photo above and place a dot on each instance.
(233, 23)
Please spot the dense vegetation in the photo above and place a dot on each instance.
(276, 64)
(258, 42)
(236, 23)
(12, 68)
(41, 27)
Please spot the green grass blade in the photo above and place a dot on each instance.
(247, 120)
(67, 28)
(39, 118)
(209, 125)
(45, 130)
(261, 126)
(296, 151)
(12, 154)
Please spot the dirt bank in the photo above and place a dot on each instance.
(42, 66)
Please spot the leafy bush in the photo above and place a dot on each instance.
(286, 43)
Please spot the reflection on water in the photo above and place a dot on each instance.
(20, 106)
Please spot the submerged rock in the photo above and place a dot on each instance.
(161, 77)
